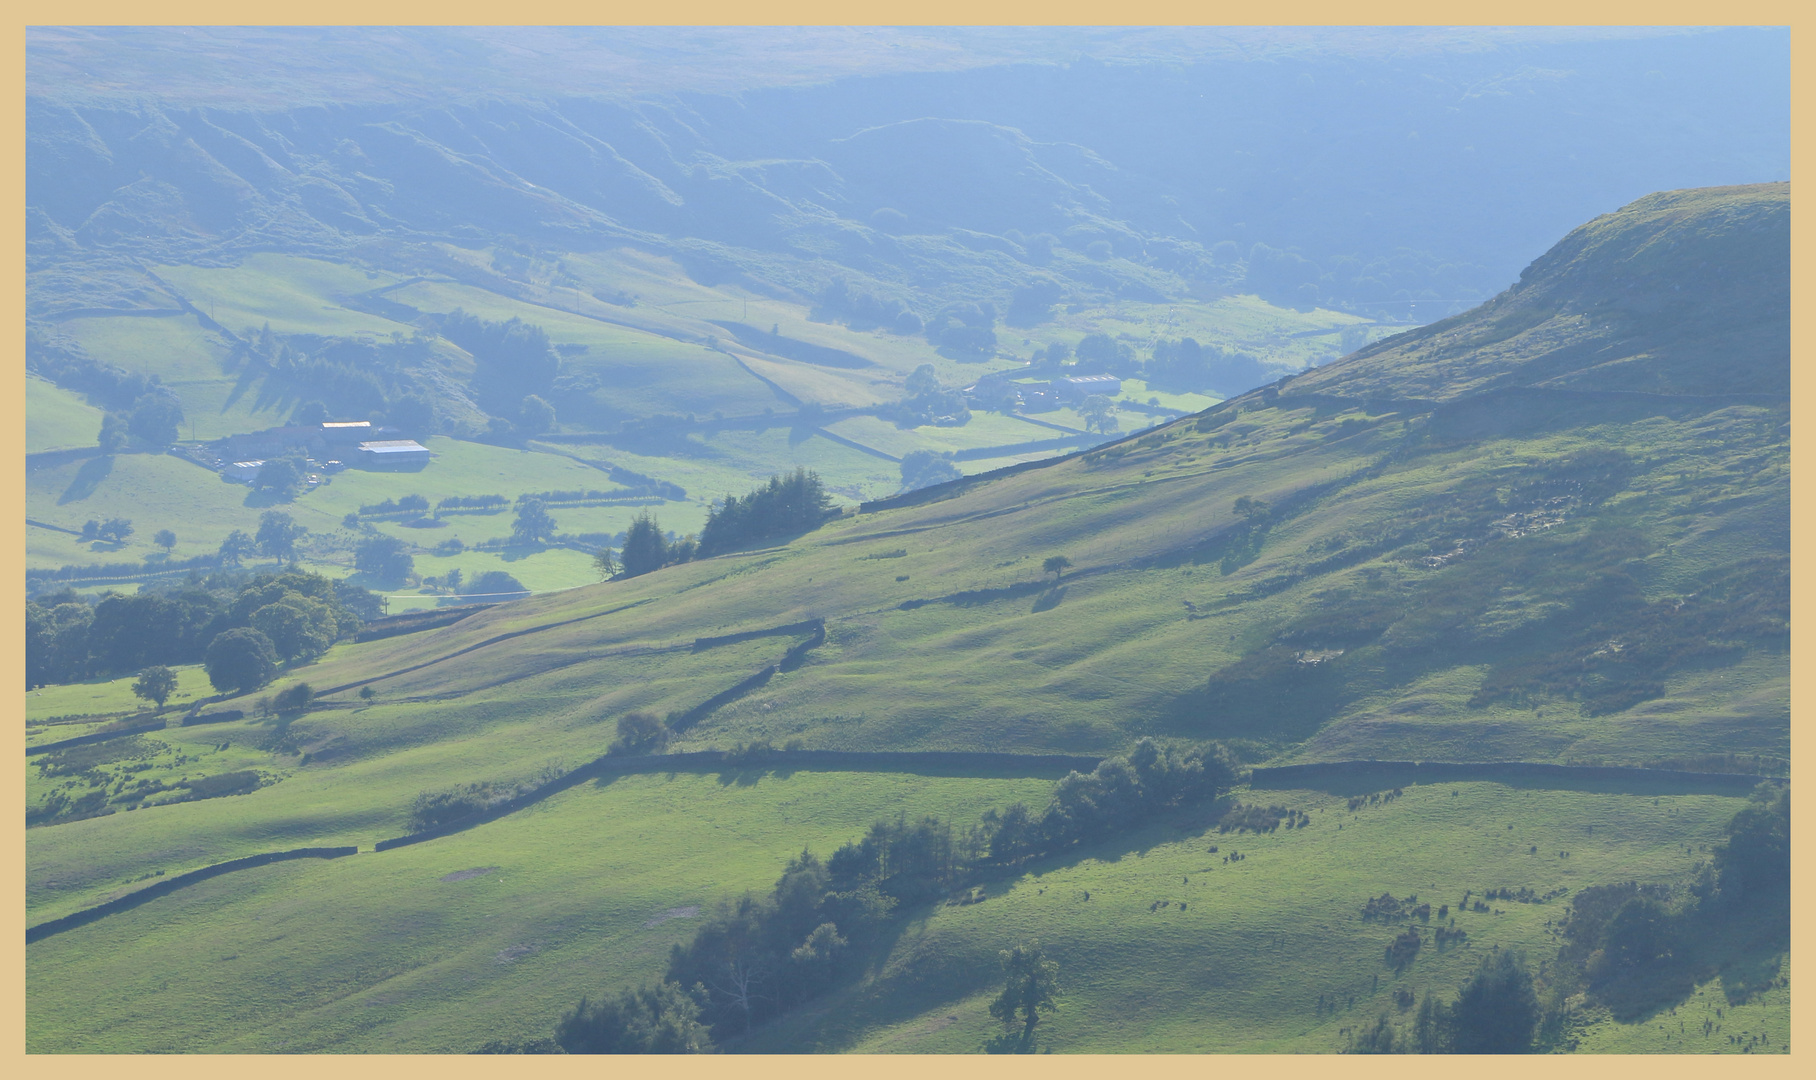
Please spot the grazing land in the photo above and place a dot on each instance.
(1355, 564)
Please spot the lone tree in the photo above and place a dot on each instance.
(293, 699)
(385, 558)
(237, 546)
(1497, 1009)
(1056, 565)
(155, 418)
(1032, 982)
(925, 468)
(240, 660)
(1099, 413)
(645, 548)
(278, 534)
(605, 563)
(165, 539)
(114, 436)
(155, 684)
(639, 733)
(279, 475)
(535, 416)
(533, 522)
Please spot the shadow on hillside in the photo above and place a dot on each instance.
(975, 597)
(87, 479)
(1013, 1042)
(1050, 599)
(1746, 948)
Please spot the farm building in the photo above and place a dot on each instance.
(246, 472)
(346, 434)
(392, 454)
(1079, 387)
(318, 440)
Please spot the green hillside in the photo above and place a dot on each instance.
(1455, 545)
(650, 379)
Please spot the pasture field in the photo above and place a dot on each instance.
(944, 633)
(643, 355)
(106, 698)
(1241, 952)
(578, 893)
(57, 419)
(1528, 575)
(295, 294)
(153, 491)
(584, 892)
(985, 430)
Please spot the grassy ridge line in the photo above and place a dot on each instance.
(151, 892)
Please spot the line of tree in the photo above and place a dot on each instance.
(267, 620)
(759, 955)
(512, 361)
(790, 504)
(785, 506)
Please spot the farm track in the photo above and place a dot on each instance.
(1338, 776)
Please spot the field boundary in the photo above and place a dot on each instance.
(93, 737)
(947, 762)
(171, 884)
(612, 765)
(1393, 773)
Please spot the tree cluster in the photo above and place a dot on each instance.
(925, 468)
(1626, 943)
(1184, 366)
(761, 954)
(347, 377)
(511, 360)
(862, 310)
(786, 505)
(925, 401)
(1496, 1011)
(963, 331)
(274, 619)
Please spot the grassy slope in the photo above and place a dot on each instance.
(960, 642)
(377, 953)
(56, 419)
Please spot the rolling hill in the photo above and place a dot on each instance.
(1553, 529)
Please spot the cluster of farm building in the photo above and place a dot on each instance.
(1040, 396)
(328, 447)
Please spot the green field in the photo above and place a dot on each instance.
(56, 419)
(645, 357)
(1335, 568)
(381, 952)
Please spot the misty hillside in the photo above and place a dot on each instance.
(1367, 176)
